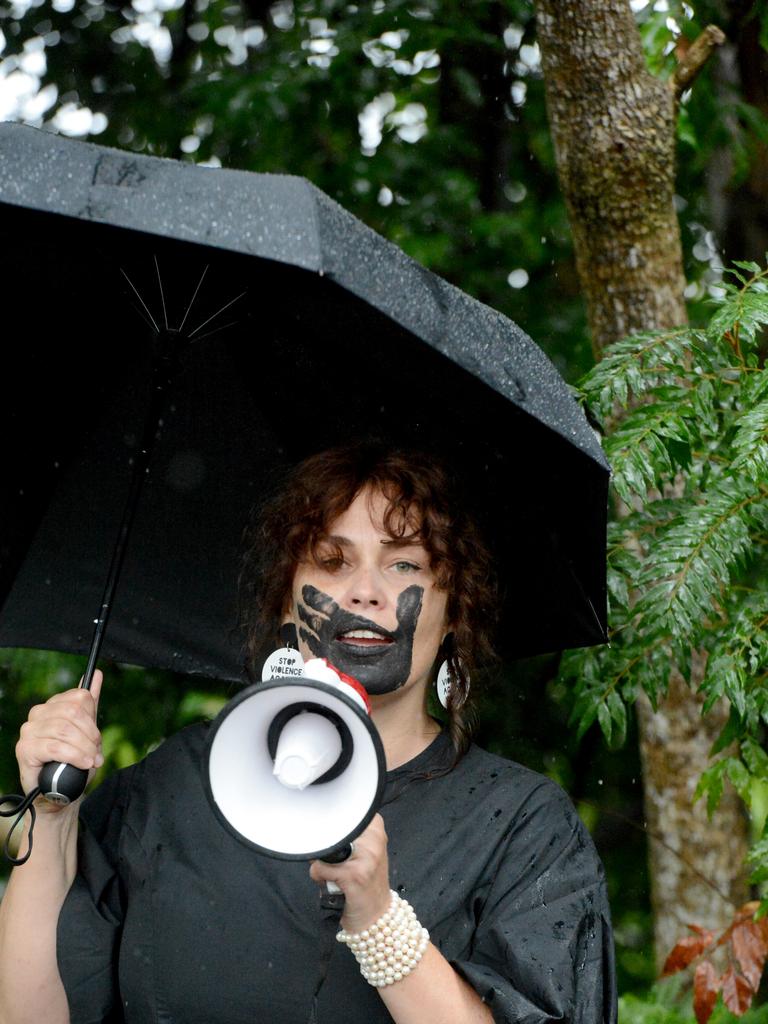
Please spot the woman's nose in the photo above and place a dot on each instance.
(365, 590)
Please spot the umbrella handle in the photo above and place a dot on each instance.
(58, 782)
(62, 783)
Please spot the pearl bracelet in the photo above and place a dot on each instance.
(390, 948)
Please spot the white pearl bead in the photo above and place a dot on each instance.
(388, 950)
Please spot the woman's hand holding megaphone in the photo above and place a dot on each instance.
(363, 877)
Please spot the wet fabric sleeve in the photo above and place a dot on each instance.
(90, 921)
(543, 946)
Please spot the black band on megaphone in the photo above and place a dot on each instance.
(338, 856)
(282, 718)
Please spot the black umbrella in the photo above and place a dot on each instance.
(294, 327)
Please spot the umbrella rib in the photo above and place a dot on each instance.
(138, 296)
(216, 330)
(192, 300)
(162, 294)
(218, 313)
(143, 317)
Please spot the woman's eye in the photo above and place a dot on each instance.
(332, 563)
(407, 567)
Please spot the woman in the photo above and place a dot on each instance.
(162, 916)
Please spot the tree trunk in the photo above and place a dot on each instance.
(613, 126)
(697, 864)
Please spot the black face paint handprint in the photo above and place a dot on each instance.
(381, 662)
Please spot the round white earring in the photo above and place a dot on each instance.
(444, 683)
(286, 660)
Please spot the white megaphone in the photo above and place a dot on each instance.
(295, 766)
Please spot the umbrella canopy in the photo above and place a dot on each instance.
(299, 328)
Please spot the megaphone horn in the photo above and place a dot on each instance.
(295, 768)
(309, 744)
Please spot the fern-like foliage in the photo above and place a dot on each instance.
(685, 414)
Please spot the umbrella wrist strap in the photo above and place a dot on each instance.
(20, 806)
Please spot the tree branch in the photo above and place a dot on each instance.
(659, 838)
(695, 57)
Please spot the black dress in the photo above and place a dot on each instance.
(171, 920)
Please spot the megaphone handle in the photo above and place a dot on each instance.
(332, 898)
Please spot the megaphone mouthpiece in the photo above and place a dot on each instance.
(308, 747)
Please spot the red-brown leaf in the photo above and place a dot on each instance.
(750, 947)
(737, 992)
(746, 912)
(762, 927)
(706, 985)
(687, 950)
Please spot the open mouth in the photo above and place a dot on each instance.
(364, 638)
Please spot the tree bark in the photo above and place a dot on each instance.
(613, 127)
(697, 864)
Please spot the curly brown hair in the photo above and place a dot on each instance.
(423, 504)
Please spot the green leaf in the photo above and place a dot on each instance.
(694, 556)
(755, 758)
(741, 779)
(633, 366)
(605, 720)
(749, 265)
(731, 731)
(585, 720)
(747, 308)
(618, 714)
(711, 784)
(750, 441)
